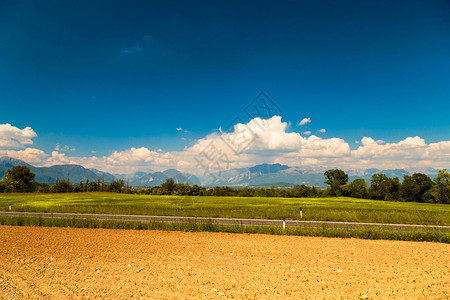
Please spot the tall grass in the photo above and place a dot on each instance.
(422, 235)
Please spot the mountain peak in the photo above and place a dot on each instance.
(267, 168)
(171, 172)
(9, 162)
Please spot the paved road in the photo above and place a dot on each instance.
(223, 221)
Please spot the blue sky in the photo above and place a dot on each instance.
(94, 78)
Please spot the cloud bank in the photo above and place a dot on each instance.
(258, 141)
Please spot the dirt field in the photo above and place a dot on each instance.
(59, 263)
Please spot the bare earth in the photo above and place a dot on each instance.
(59, 263)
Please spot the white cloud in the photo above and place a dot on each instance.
(264, 140)
(304, 121)
(307, 132)
(411, 147)
(181, 129)
(13, 137)
(59, 159)
(258, 141)
(64, 148)
(322, 130)
(131, 156)
(29, 155)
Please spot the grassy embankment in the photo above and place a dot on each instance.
(422, 235)
(323, 209)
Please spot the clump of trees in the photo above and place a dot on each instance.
(336, 179)
(414, 188)
(20, 179)
(169, 187)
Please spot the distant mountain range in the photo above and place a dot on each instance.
(259, 175)
(75, 173)
(285, 176)
(152, 178)
(267, 174)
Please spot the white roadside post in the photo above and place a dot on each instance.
(284, 223)
(10, 207)
(301, 213)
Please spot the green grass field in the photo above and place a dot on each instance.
(319, 209)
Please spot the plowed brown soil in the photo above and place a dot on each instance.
(60, 263)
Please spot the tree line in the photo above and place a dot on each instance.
(19, 179)
(417, 187)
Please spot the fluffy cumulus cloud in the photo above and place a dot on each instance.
(412, 151)
(409, 148)
(258, 141)
(58, 158)
(30, 155)
(261, 141)
(304, 121)
(13, 137)
(438, 151)
(134, 155)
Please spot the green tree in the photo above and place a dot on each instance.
(383, 187)
(34, 186)
(18, 179)
(441, 190)
(246, 192)
(2, 187)
(222, 191)
(336, 178)
(92, 186)
(79, 188)
(43, 188)
(168, 187)
(300, 191)
(62, 186)
(116, 186)
(196, 190)
(182, 189)
(357, 188)
(415, 187)
(314, 191)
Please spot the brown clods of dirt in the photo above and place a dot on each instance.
(60, 263)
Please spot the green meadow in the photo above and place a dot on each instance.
(315, 209)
